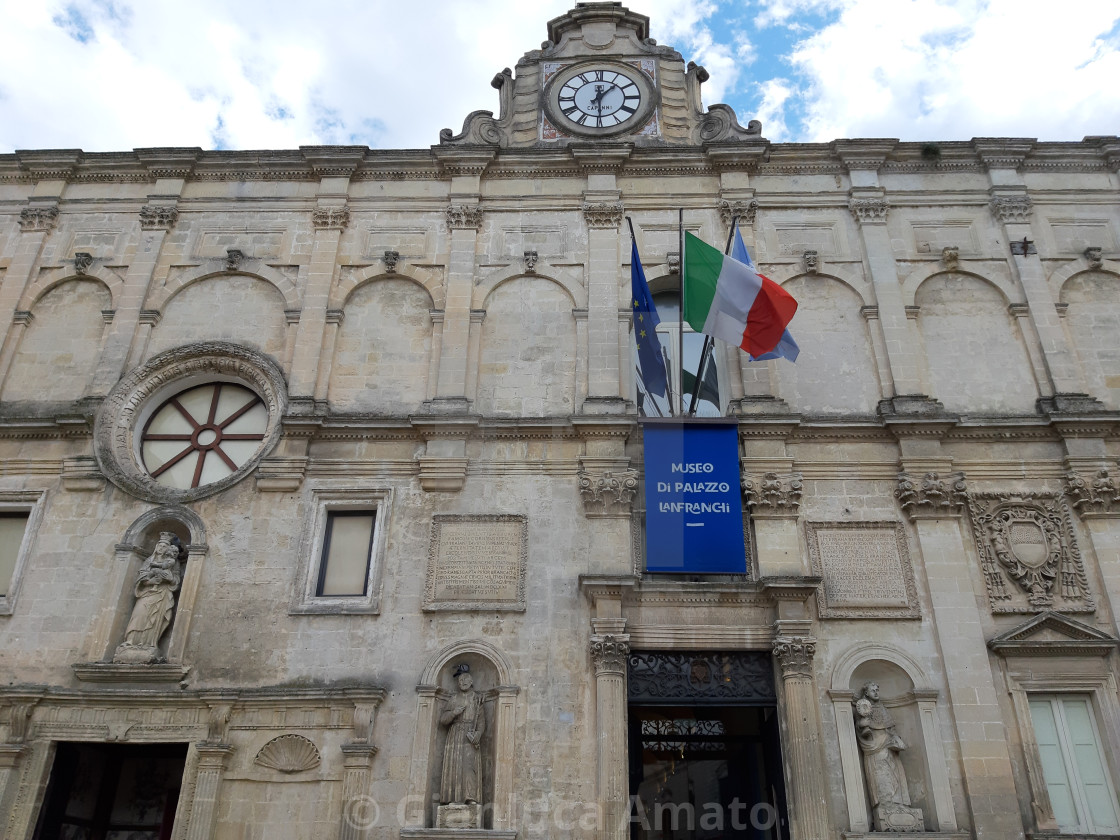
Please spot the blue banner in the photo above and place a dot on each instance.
(694, 506)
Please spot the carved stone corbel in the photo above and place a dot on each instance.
(603, 214)
(951, 257)
(19, 718)
(330, 218)
(812, 262)
(1093, 257)
(390, 259)
(530, 259)
(607, 494)
(795, 655)
(464, 217)
(869, 210)
(609, 652)
(1099, 497)
(83, 261)
(1008, 208)
(773, 496)
(933, 497)
(234, 258)
(38, 219)
(158, 217)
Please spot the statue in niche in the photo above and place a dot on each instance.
(882, 764)
(460, 788)
(156, 584)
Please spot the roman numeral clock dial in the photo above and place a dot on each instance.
(599, 99)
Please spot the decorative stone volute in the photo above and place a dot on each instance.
(773, 496)
(330, 218)
(745, 211)
(609, 652)
(934, 497)
(869, 211)
(158, 217)
(795, 655)
(603, 214)
(606, 493)
(1011, 208)
(1096, 498)
(464, 217)
(38, 219)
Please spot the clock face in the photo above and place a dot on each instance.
(599, 98)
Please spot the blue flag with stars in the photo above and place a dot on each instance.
(650, 358)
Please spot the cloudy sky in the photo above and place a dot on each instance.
(250, 74)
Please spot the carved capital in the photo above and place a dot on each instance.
(812, 262)
(607, 494)
(609, 652)
(869, 211)
(744, 210)
(1096, 497)
(37, 219)
(773, 496)
(530, 260)
(390, 259)
(603, 214)
(1093, 257)
(234, 258)
(330, 218)
(933, 497)
(1011, 208)
(795, 655)
(83, 261)
(951, 257)
(158, 217)
(464, 217)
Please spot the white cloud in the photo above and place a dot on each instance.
(771, 112)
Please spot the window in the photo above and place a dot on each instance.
(19, 516)
(347, 551)
(708, 401)
(1073, 764)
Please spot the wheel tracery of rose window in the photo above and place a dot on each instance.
(203, 434)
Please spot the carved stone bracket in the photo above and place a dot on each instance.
(464, 217)
(1097, 498)
(1009, 209)
(607, 494)
(609, 652)
(234, 258)
(37, 219)
(530, 260)
(603, 214)
(330, 218)
(673, 262)
(1094, 258)
(19, 718)
(158, 217)
(934, 497)
(746, 211)
(812, 262)
(773, 496)
(869, 210)
(795, 655)
(390, 259)
(83, 261)
(951, 257)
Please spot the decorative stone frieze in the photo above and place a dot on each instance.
(603, 214)
(934, 497)
(951, 257)
(607, 494)
(330, 218)
(1008, 209)
(1098, 497)
(38, 219)
(609, 652)
(234, 258)
(812, 262)
(1093, 257)
(390, 259)
(464, 217)
(83, 261)
(744, 211)
(530, 259)
(795, 655)
(773, 496)
(691, 676)
(158, 217)
(869, 211)
(1028, 553)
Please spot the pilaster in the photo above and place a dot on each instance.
(609, 648)
(207, 784)
(1095, 495)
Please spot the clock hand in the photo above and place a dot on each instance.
(598, 100)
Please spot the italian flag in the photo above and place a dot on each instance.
(727, 300)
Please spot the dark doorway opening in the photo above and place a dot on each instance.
(111, 791)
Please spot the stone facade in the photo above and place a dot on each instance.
(440, 338)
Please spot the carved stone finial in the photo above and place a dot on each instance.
(1097, 498)
(37, 219)
(530, 260)
(795, 655)
(158, 217)
(1011, 208)
(746, 211)
(464, 217)
(933, 497)
(773, 496)
(607, 494)
(812, 262)
(951, 257)
(609, 652)
(603, 214)
(83, 261)
(330, 218)
(869, 210)
(234, 257)
(1093, 255)
(390, 259)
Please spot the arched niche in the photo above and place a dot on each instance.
(1090, 301)
(437, 691)
(912, 703)
(136, 545)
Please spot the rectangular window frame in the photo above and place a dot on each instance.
(305, 600)
(30, 502)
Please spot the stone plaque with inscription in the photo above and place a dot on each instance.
(477, 563)
(866, 569)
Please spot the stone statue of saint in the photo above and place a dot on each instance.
(460, 788)
(155, 588)
(886, 777)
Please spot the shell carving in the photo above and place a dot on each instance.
(289, 754)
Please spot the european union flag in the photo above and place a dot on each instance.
(650, 359)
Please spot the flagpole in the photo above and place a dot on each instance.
(709, 342)
(680, 332)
